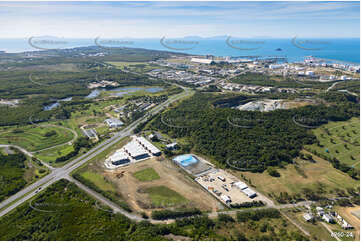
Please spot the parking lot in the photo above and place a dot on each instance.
(219, 187)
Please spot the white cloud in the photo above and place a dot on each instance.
(154, 19)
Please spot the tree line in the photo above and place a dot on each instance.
(248, 140)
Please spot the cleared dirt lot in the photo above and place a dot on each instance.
(133, 190)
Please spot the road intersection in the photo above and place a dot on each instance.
(59, 173)
(64, 173)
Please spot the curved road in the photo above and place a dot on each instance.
(63, 172)
(75, 136)
(28, 153)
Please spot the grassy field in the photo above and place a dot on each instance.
(317, 231)
(50, 155)
(148, 174)
(163, 196)
(316, 175)
(140, 67)
(340, 140)
(98, 180)
(274, 229)
(33, 138)
(92, 175)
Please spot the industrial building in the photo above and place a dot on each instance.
(90, 133)
(320, 211)
(202, 61)
(249, 192)
(226, 199)
(113, 122)
(226, 187)
(148, 146)
(135, 150)
(328, 218)
(308, 217)
(245, 189)
(171, 146)
(241, 185)
(119, 158)
(192, 164)
(275, 66)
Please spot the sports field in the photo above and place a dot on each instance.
(139, 67)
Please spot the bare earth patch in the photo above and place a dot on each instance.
(134, 191)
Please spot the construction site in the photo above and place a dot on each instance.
(165, 187)
(227, 188)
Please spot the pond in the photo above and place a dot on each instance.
(56, 104)
(51, 106)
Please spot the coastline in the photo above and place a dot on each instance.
(340, 52)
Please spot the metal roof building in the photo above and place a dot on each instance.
(113, 122)
(90, 133)
(135, 150)
(241, 185)
(171, 146)
(249, 192)
(307, 217)
(327, 218)
(201, 61)
(148, 146)
(119, 157)
(226, 198)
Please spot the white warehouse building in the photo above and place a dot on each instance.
(275, 66)
(201, 61)
(148, 146)
(119, 158)
(241, 185)
(113, 122)
(226, 198)
(249, 192)
(135, 150)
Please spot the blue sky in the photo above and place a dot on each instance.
(178, 19)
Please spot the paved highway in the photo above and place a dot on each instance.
(63, 172)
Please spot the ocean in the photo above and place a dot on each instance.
(344, 50)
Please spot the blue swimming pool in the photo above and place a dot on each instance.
(186, 160)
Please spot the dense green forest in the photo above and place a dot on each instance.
(251, 78)
(12, 168)
(250, 140)
(64, 212)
